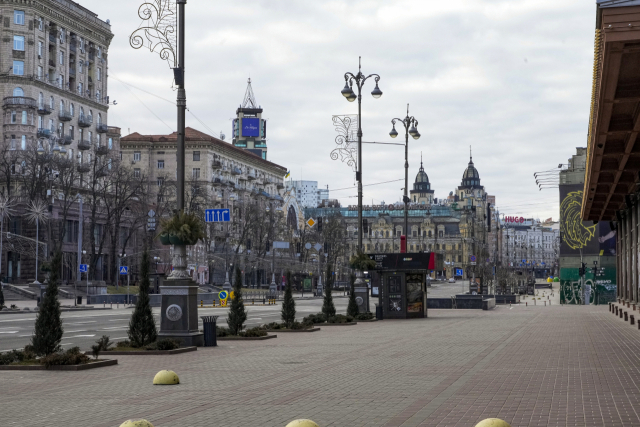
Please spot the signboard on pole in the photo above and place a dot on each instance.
(472, 259)
(124, 270)
(217, 215)
(84, 268)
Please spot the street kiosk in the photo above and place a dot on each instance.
(401, 282)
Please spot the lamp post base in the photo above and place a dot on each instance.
(361, 291)
(179, 312)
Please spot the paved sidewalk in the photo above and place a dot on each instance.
(532, 366)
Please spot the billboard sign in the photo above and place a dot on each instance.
(250, 127)
(576, 236)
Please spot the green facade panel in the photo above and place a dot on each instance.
(603, 288)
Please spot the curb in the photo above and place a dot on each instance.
(90, 365)
(293, 330)
(148, 352)
(61, 310)
(234, 338)
(338, 324)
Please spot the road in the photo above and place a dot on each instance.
(83, 328)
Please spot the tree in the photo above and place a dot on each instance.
(352, 308)
(142, 326)
(288, 305)
(237, 314)
(48, 330)
(328, 309)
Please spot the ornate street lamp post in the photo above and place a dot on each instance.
(410, 128)
(359, 79)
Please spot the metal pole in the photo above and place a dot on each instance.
(1, 253)
(128, 278)
(37, 247)
(406, 179)
(359, 173)
(79, 257)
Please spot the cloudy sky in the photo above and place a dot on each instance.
(511, 78)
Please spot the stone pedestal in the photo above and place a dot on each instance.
(361, 292)
(179, 312)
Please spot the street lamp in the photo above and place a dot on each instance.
(359, 79)
(410, 128)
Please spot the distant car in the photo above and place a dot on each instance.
(452, 280)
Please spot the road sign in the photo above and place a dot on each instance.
(317, 246)
(459, 272)
(124, 270)
(311, 222)
(223, 295)
(472, 258)
(307, 246)
(217, 215)
(223, 303)
(151, 221)
(232, 295)
(84, 268)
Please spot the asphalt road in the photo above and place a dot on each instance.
(83, 328)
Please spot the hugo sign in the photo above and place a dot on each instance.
(514, 219)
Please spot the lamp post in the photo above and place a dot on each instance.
(359, 79)
(410, 128)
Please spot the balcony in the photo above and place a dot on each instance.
(64, 116)
(44, 133)
(251, 176)
(84, 167)
(18, 102)
(102, 172)
(72, 71)
(102, 128)
(216, 164)
(102, 150)
(114, 131)
(85, 121)
(72, 47)
(84, 145)
(44, 110)
(52, 63)
(52, 38)
(280, 186)
(66, 139)
(235, 171)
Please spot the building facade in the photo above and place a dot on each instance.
(308, 193)
(531, 245)
(249, 128)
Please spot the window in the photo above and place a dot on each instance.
(71, 110)
(110, 143)
(51, 128)
(160, 164)
(414, 233)
(136, 156)
(98, 97)
(81, 86)
(61, 106)
(195, 173)
(18, 92)
(40, 49)
(61, 81)
(18, 68)
(160, 181)
(99, 75)
(136, 173)
(40, 24)
(51, 102)
(18, 43)
(13, 117)
(18, 17)
(196, 156)
(70, 153)
(40, 72)
(24, 117)
(70, 231)
(23, 143)
(99, 118)
(41, 101)
(71, 132)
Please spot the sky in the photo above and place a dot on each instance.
(509, 78)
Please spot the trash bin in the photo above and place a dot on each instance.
(378, 312)
(209, 327)
(79, 300)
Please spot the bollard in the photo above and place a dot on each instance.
(632, 319)
(302, 423)
(493, 422)
(117, 304)
(252, 301)
(626, 316)
(136, 423)
(166, 378)
(526, 304)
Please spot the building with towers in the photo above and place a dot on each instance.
(422, 192)
(249, 128)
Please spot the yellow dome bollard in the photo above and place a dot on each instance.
(166, 378)
(302, 423)
(136, 423)
(493, 422)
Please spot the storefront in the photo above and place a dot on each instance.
(401, 282)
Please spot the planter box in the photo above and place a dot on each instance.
(148, 352)
(339, 324)
(293, 330)
(90, 365)
(234, 338)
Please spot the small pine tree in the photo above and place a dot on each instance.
(1, 298)
(237, 314)
(352, 308)
(328, 309)
(288, 304)
(142, 326)
(48, 329)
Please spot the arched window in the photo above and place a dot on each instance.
(99, 118)
(18, 92)
(71, 109)
(51, 102)
(98, 96)
(90, 113)
(40, 100)
(61, 106)
(81, 112)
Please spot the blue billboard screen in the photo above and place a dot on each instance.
(250, 127)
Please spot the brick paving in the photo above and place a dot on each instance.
(532, 366)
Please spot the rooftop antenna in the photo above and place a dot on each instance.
(249, 97)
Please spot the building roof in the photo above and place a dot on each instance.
(193, 135)
(617, 3)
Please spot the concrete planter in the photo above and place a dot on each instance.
(234, 338)
(339, 324)
(90, 365)
(148, 352)
(293, 330)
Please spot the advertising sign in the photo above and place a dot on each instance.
(250, 127)
(602, 289)
(306, 284)
(409, 261)
(576, 235)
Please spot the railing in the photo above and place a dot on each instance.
(64, 116)
(251, 176)
(19, 101)
(84, 167)
(102, 150)
(44, 109)
(235, 171)
(52, 63)
(85, 121)
(66, 139)
(72, 47)
(44, 133)
(52, 38)
(216, 164)
(72, 71)
(84, 145)
(102, 128)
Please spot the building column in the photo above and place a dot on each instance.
(627, 247)
(634, 253)
(618, 259)
(623, 257)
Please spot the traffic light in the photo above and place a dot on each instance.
(320, 225)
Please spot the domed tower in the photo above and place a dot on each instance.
(422, 192)
(471, 177)
(470, 188)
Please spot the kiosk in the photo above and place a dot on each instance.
(402, 282)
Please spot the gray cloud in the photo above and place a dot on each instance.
(511, 78)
